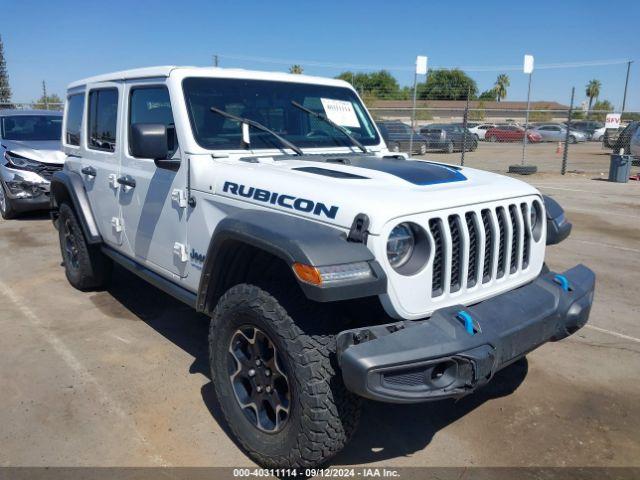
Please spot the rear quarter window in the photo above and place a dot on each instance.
(73, 120)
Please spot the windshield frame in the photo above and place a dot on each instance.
(3, 118)
(344, 142)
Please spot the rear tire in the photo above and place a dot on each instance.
(6, 208)
(321, 414)
(85, 266)
(395, 148)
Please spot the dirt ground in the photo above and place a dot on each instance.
(120, 377)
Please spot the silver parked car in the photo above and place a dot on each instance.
(634, 144)
(29, 156)
(558, 133)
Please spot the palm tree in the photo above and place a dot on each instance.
(593, 90)
(296, 69)
(502, 82)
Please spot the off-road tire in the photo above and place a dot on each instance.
(523, 169)
(90, 269)
(6, 208)
(323, 414)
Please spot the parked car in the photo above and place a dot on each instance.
(29, 156)
(598, 134)
(397, 136)
(556, 133)
(329, 270)
(481, 129)
(621, 139)
(448, 137)
(511, 133)
(589, 127)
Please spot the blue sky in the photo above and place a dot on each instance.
(61, 41)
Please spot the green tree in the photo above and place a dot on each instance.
(446, 84)
(500, 87)
(602, 107)
(593, 91)
(297, 69)
(5, 89)
(381, 84)
(50, 102)
(488, 95)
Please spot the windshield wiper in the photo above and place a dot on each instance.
(326, 119)
(259, 126)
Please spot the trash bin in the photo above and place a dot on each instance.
(620, 168)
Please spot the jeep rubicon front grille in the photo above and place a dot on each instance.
(476, 247)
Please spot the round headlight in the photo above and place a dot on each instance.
(400, 245)
(536, 220)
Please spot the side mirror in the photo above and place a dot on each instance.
(150, 140)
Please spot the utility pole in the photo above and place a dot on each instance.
(626, 83)
(215, 60)
(421, 68)
(44, 95)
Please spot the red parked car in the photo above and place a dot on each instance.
(510, 133)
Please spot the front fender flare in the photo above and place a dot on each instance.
(291, 239)
(68, 186)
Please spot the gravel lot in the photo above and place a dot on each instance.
(119, 378)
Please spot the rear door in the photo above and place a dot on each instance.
(99, 159)
(153, 200)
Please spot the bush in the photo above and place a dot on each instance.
(478, 113)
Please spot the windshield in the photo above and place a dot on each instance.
(269, 103)
(32, 127)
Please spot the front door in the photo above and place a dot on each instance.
(153, 199)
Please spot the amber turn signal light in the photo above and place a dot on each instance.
(307, 273)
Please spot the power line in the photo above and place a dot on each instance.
(410, 68)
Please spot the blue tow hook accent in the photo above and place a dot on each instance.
(468, 322)
(562, 281)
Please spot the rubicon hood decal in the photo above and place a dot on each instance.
(418, 173)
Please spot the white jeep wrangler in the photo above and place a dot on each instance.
(331, 268)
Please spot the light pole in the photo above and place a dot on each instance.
(421, 69)
(528, 69)
(626, 83)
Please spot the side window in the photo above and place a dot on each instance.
(75, 107)
(153, 105)
(103, 119)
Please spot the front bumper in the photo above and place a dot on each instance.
(459, 349)
(27, 190)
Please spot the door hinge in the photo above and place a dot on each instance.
(113, 181)
(180, 197)
(116, 224)
(180, 251)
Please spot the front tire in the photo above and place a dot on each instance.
(449, 148)
(6, 207)
(85, 266)
(493, 139)
(317, 413)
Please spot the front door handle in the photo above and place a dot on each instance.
(89, 171)
(127, 181)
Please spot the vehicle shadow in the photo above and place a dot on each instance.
(36, 215)
(386, 431)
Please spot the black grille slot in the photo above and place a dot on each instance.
(526, 237)
(456, 252)
(488, 246)
(515, 238)
(437, 281)
(502, 259)
(472, 273)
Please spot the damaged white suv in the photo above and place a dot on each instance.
(331, 268)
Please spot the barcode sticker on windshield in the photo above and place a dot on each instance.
(340, 112)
